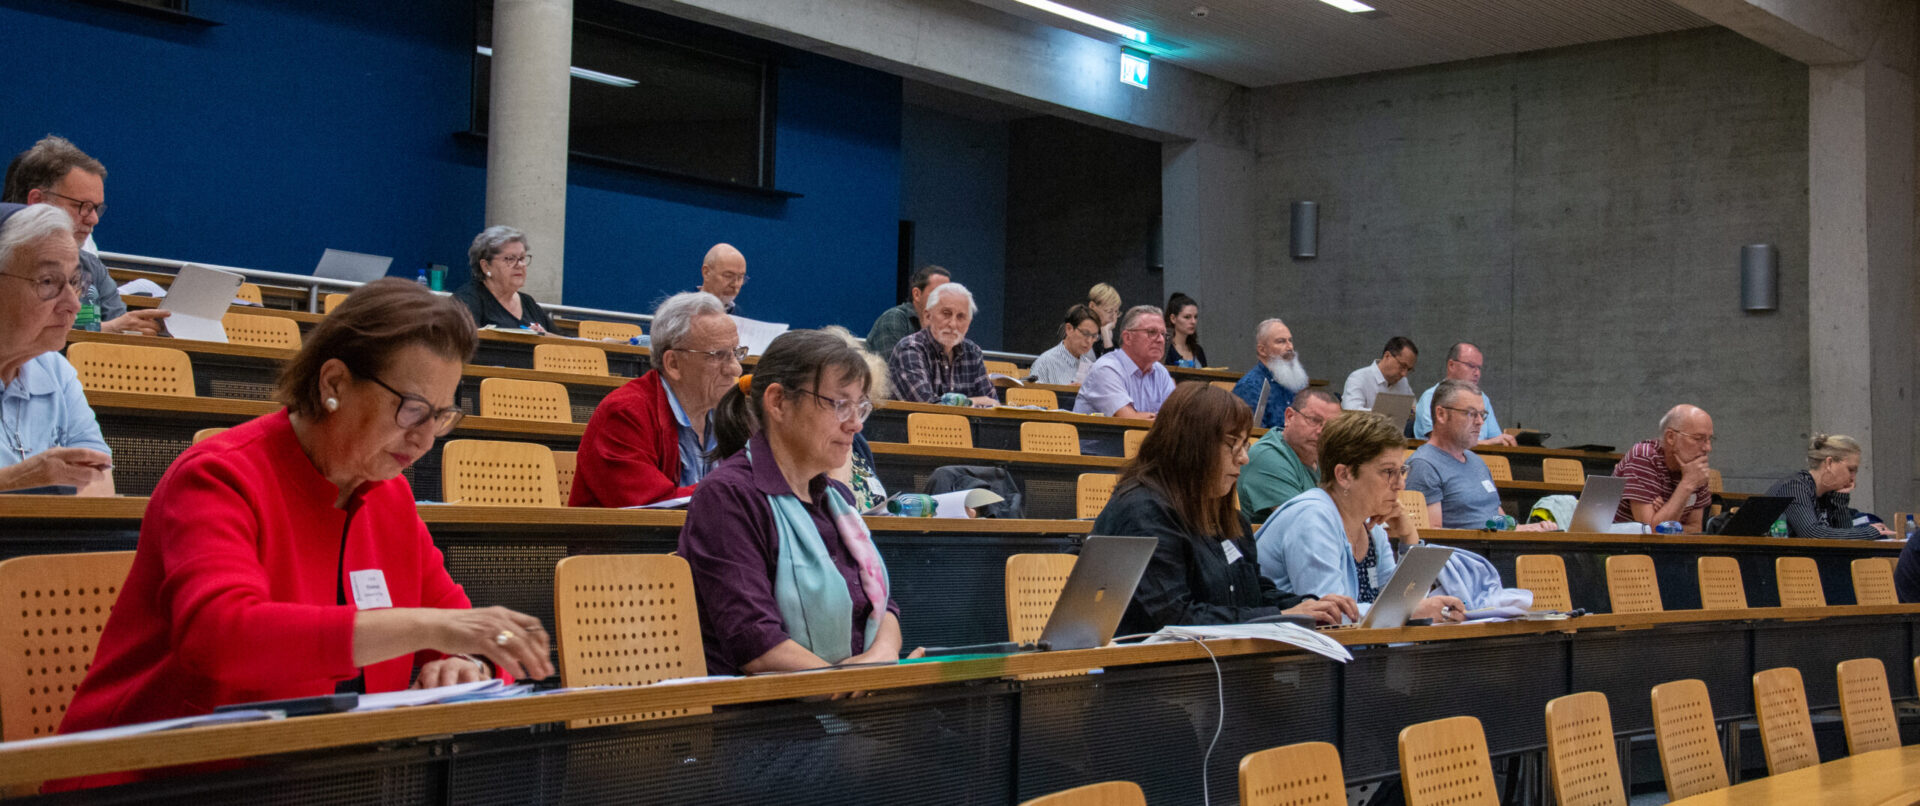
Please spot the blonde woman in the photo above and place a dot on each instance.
(1819, 507)
(1106, 302)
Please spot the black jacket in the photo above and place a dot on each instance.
(1189, 580)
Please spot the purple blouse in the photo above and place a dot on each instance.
(733, 547)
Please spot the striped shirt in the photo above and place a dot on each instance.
(1650, 482)
(1823, 516)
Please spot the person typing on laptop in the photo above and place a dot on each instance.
(1458, 486)
(1337, 539)
(1179, 490)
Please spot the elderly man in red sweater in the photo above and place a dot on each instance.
(652, 438)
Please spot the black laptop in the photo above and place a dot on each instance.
(1755, 517)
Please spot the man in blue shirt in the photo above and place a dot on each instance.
(1280, 365)
(1463, 364)
(1130, 382)
(1459, 489)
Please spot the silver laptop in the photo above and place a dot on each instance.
(1407, 587)
(1097, 592)
(1599, 500)
(339, 264)
(1398, 408)
(1260, 408)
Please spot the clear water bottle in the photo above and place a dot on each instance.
(89, 316)
(1500, 523)
(912, 505)
(421, 278)
(1779, 528)
(1909, 527)
(955, 399)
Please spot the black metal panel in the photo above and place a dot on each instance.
(1626, 665)
(1151, 725)
(1816, 648)
(366, 776)
(1505, 682)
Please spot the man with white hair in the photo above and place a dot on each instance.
(49, 440)
(1279, 365)
(1667, 478)
(1130, 382)
(939, 359)
(722, 272)
(652, 439)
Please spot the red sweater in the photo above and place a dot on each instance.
(630, 454)
(233, 595)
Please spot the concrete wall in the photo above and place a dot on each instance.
(1578, 213)
(953, 187)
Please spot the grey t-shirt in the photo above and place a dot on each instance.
(1464, 490)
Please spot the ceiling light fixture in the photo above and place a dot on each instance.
(579, 72)
(1350, 6)
(1124, 31)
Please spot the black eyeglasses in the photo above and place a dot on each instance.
(82, 206)
(844, 409)
(47, 286)
(738, 353)
(414, 411)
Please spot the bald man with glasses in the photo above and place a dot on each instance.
(1668, 478)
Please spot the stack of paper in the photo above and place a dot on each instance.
(1291, 634)
(460, 692)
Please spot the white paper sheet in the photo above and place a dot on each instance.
(757, 334)
(949, 505)
(136, 729)
(1292, 634)
(478, 689)
(198, 298)
(671, 503)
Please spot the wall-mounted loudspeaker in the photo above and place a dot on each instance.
(1306, 230)
(1759, 277)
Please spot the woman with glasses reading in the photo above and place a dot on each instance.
(499, 259)
(1821, 493)
(1067, 363)
(283, 558)
(785, 570)
(49, 441)
(1179, 490)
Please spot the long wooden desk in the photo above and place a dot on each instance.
(1881, 778)
(971, 732)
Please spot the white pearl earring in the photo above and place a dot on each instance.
(333, 404)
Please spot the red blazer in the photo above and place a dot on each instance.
(630, 454)
(234, 592)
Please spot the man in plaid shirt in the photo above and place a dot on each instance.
(939, 358)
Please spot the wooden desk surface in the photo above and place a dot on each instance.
(505, 336)
(1879, 778)
(213, 348)
(19, 765)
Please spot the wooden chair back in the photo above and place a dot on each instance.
(63, 601)
(1498, 466)
(1714, 482)
(1091, 492)
(204, 433)
(1721, 587)
(626, 620)
(1414, 504)
(1632, 586)
(1867, 706)
(1304, 774)
(1799, 581)
(573, 359)
(1060, 438)
(596, 330)
(1584, 765)
(1873, 582)
(1022, 396)
(1563, 471)
(1110, 793)
(132, 368)
(331, 301)
(1034, 582)
(1130, 442)
(248, 292)
(1007, 368)
(1227, 385)
(1689, 745)
(1546, 576)
(261, 331)
(939, 430)
(507, 474)
(564, 464)
(1444, 763)
(1786, 731)
(514, 399)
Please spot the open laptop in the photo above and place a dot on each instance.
(1599, 501)
(1097, 592)
(339, 264)
(1405, 589)
(1398, 408)
(1260, 408)
(1755, 517)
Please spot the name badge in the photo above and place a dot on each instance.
(1488, 483)
(370, 589)
(1233, 551)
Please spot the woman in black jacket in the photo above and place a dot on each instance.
(1819, 507)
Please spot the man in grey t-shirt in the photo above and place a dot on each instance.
(1459, 488)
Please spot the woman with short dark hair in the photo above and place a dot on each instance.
(499, 258)
(1067, 363)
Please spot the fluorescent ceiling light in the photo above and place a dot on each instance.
(578, 72)
(1082, 17)
(1354, 6)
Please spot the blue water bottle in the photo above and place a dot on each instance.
(89, 316)
(1668, 528)
(911, 505)
(421, 278)
(1500, 523)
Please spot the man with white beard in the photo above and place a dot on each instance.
(939, 358)
(1273, 344)
(1463, 364)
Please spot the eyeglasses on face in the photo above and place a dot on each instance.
(1704, 439)
(47, 286)
(1087, 334)
(844, 410)
(517, 260)
(414, 411)
(1476, 415)
(738, 353)
(1149, 333)
(1312, 419)
(82, 206)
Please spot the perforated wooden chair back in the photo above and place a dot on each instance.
(1033, 586)
(1689, 746)
(1304, 774)
(132, 368)
(1786, 732)
(595, 330)
(508, 474)
(1022, 396)
(55, 607)
(1227, 385)
(1546, 576)
(1444, 763)
(1498, 466)
(574, 359)
(1110, 793)
(1007, 368)
(1091, 492)
(261, 331)
(1873, 582)
(1580, 751)
(204, 433)
(1060, 438)
(939, 430)
(1867, 706)
(331, 301)
(1714, 482)
(625, 620)
(564, 463)
(1130, 442)
(1799, 579)
(248, 292)
(1563, 471)
(1414, 504)
(1631, 584)
(1721, 587)
(513, 399)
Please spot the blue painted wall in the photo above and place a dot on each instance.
(955, 193)
(294, 127)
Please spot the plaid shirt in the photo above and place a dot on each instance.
(921, 370)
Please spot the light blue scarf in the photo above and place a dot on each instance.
(815, 606)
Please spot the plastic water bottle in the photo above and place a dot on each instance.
(421, 278)
(1500, 523)
(955, 399)
(911, 505)
(1909, 527)
(89, 316)
(1779, 528)
(1669, 528)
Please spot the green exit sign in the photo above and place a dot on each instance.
(1133, 67)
